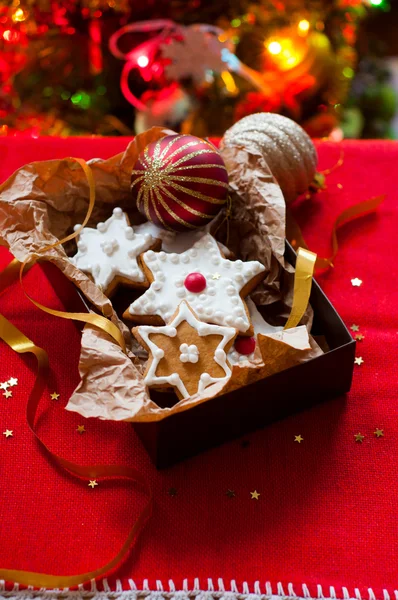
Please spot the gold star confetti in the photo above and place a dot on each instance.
(81, 429)
(255, 495)
(359, 337)
(379, 432)
(298, 438)
(358, 437)
(4, 385)
(13, 381)
(354, 327)
(356, 282)
(93, 483)
(7, 393)
(172, 491)
(54, 396)
(8, 433)
(359, 360)
(216, 276)
(230, 493)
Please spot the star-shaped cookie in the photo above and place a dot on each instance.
(110, 252)
(186, 354)
(213, 286)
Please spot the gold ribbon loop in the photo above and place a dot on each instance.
(305, 265)
(21, 344)
(97, 320)
(361, 209)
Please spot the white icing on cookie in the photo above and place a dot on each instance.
(235, 358)
(189, 353)
(185, 314)
(219, 302)
(260, 325)
(111, 250)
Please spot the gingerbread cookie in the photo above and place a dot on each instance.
(213, 285)
(186, 354)
(110, 253)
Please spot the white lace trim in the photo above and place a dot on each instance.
(101, 590)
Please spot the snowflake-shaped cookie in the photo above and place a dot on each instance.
(213, 285)
(174, 361)
(109, 253)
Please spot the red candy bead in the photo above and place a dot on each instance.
(180, 182)
(245, 345)
(195, 283)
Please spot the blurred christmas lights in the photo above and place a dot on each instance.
(303, 26)
(142, 61)
(294, 60)
(274, 47)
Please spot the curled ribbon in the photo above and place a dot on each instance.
(21, 344)
(305, 265)
(295, 236)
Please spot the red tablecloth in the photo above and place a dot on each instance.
(327, 511)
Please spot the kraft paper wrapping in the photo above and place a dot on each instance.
(41, 202)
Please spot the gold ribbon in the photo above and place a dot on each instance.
(21, 344)
(295, 236)
(305, 265)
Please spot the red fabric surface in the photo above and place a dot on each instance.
(327, 513)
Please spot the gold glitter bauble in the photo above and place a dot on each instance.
(285, 146)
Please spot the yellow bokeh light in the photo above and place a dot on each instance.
(303, 26)
(287, 50)
(274, 47)
(18, 15)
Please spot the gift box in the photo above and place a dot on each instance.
(251, 407)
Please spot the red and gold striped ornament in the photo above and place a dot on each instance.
(180, 182)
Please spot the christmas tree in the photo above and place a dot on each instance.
(113, 67)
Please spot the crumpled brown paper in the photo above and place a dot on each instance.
(257, 228)
(41, 202)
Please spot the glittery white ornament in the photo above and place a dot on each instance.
(285, 146)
